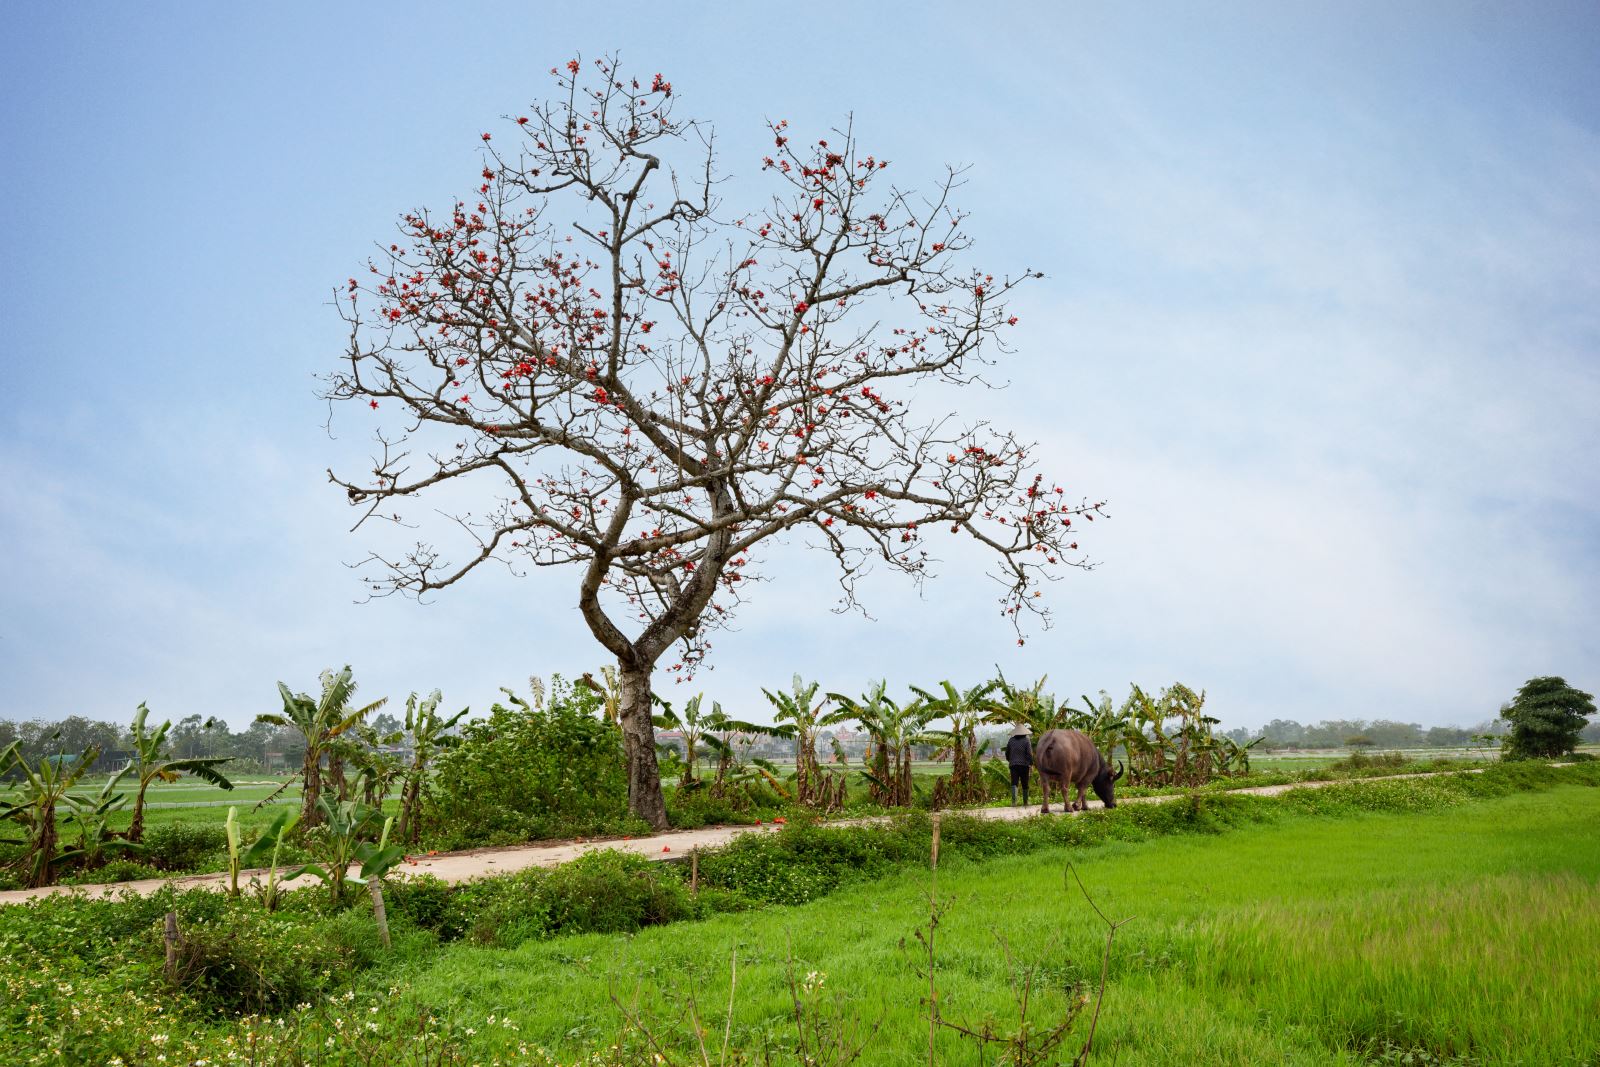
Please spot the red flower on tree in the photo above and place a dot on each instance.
(721, 423)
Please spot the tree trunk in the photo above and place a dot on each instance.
(407, 830)
(802, 768)
(136, 827)
(380, 914)
(639, 746)
(46, 845)
(336, 776)
(311, 785)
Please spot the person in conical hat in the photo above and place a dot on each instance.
(1019, 754)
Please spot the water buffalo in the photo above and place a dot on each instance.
(1069, 757)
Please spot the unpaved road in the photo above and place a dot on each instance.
(674, 844)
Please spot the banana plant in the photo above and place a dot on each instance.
(320, 723)
(152, 763)
(964, 710)
(267, 851)
(764, 771)
(377, 860)
(42, 790)
(93, 818)
(804, 718)
(344, 823)
(694, 726)
(724, 736)
(894, 730)
(610, 693)
(429, 732)
(1106, 726)
(1032, 706)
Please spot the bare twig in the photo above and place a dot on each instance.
(1105, 965)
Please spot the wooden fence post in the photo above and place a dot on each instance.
(170, 935)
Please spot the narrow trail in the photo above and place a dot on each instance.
(672, 844)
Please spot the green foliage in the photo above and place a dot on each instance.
(186, 846)
(123, 869)
(32, 809)
(1360, 761)
(799, 715)
(1267, 947)
(428, 732)
(1546, 719)
(321, 723)
(612, 892)
(806, 862)
(527, 773)
(152, 763)
(247, 959)
(601, 892)
(339, 843)
(237, 956)
(894, 729)
(91, 815)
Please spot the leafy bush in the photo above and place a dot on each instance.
(602, 892)
(186, 846)
(741, 803)
(503, 911)
(119, 870)
(804, 862)
(609, 892)
(252, 960)
(423, 900)
(527, 773)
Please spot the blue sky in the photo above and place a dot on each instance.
(1321, 320)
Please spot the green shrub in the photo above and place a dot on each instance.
(804, 862)
(529, 773)
(186, 846)
(251, 960)
(742, 803)
(601, 892)
(607, 892)
(119, 870)
(423, 900)
(503, 911)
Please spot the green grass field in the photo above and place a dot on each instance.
(1461, 936)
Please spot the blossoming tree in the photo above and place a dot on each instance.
(645, 385)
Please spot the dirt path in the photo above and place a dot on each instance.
(674, 844)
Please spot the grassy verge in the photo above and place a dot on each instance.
(1462, 933)
(1449, 920)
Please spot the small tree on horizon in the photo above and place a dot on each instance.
(648, 385)
(1546, 718)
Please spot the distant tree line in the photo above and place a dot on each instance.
(1374, 733)
(258, 748)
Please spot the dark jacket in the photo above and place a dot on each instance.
(1019, 751)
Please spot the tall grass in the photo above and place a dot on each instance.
(1465, 935)
(1466, 970)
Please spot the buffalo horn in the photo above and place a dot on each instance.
(1120, 771)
